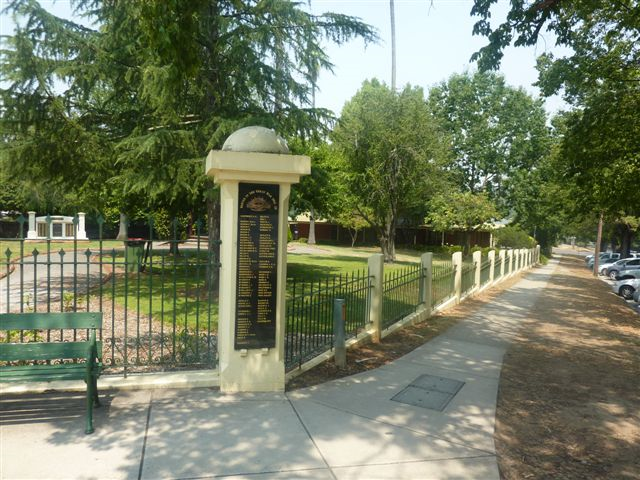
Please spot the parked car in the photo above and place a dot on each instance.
(604, 264)
(615, 271)
(608, 266)
(626, 288)
(636, 295)
(633, 272)
(604, 257)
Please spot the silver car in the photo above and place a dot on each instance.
(604, 257)
(626, 288)
(610, 268)
(604, 264)
(624, 270)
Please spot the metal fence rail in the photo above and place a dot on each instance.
(401, 293)
(485, 271)
(497, 269)
(442, 283)
(159, 312)
(468, 277)
(309, 313)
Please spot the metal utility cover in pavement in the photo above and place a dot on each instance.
(428, 391)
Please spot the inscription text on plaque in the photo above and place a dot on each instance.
(257, 273)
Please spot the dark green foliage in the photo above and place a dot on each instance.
(135, 101)
(513, 237)
(392, 154)
(598, 159)
(497, 131)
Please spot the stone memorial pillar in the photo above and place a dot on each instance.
(32, 233)
(255, 173)
(81, 234)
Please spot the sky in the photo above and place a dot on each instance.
(434, 40)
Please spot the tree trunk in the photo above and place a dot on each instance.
(627, 238)
(596, 258)
(213, 227)
(354, 237)
(123, 232)
(387, 240)
(467, 242)
(312, 227)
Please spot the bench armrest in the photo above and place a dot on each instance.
(92, 355)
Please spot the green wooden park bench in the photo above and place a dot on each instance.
(44, 357)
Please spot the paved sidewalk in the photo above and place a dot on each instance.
(347, 428)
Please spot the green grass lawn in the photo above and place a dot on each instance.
(172, 290)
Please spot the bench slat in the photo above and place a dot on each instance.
(66, 371)
(48, 321)
(10, 352)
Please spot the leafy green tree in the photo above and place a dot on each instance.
(137, 99)
(599, 76)
(600, 158)
(311, 195)
(513, 236)
(496, 131)
(465, 211)
(602, 36)
(392, 154)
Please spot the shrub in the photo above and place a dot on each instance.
(513, 237)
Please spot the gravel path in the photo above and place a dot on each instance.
(48, 277)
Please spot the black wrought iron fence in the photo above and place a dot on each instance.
(309, 319)
(497, 269)
(401, 293)
(159, 311)
(468, 277)
(442, 283)
(485, 271)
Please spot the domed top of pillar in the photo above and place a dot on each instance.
(255, 139)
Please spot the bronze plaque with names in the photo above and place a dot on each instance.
(257, 274)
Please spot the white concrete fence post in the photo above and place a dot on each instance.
(81, 233)
(426, 261)
(376, 271)
(492, 266)
(510, 254)
(31, 233)
(456, 260)
(477, 262)
(537, 254)
(503, 259)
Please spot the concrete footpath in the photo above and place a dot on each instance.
(428, 415)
